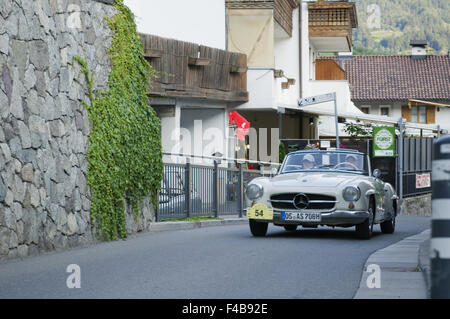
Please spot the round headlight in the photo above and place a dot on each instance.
(254, 191)
(351, 193)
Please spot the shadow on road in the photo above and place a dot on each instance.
(325, 233)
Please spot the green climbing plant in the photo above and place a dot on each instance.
(124, 155)
(358, 129)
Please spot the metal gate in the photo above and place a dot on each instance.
(189, 190)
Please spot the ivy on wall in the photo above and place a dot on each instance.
(124, 155)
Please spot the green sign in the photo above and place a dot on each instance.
(384, 141)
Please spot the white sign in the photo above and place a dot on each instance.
(316, 99)
(423, 180)
(383, 153)
(326, 144)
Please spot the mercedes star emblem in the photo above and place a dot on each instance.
(300, 201)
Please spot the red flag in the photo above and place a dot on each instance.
(243, 126)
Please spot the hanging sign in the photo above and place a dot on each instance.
(384, 141)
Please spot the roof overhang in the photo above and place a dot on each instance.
(331, 44)
(412, 101)
(371, 118)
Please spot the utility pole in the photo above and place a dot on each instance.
(440, 220)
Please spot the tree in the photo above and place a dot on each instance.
(358, 129)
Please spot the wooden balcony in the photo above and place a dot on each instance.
(282, 9)
(194, 71)
(331, 24)
(329, 70)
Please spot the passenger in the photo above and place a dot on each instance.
(308, 161)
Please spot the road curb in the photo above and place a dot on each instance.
(185, 225)
(401, 276)
(424, 263)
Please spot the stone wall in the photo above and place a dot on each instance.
(417, 205)
(44, 200)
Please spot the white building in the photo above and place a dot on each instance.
(283, 40)
(197, 21)
(385, 85)
(185, 42)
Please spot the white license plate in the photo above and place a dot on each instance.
(302, 216)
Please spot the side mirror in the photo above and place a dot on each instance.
(274, 171)
(376, 173)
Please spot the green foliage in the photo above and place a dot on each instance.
(358, 129)
(293, 148)
(124, 155)
(401, 22)
(365, 51)
(281, 152)
(311, 146)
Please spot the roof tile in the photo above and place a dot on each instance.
(398, 77)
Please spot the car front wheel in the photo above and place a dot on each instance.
(258, 229)
(364, 230)
(388, 226)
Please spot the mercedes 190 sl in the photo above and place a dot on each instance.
(322, 188)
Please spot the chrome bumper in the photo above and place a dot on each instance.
(337, 217)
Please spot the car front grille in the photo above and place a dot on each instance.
(316, 201)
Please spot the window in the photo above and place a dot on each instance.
(365, 109)
(384, 110)
(418, 114)
(422, 114)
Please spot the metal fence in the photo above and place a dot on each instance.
(190, 190)
(417, 163)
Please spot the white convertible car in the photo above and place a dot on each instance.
(327, 188)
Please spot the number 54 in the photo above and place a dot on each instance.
(259, 213)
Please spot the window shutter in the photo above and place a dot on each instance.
(406, 113)
(431, 114)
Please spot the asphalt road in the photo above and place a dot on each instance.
(214, 262)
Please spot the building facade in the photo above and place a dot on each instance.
(283, 40)
(394, 86)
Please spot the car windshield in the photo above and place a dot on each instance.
(340, 161)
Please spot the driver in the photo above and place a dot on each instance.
(352, 162)
(308, 161)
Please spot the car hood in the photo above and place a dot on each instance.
(314, 179)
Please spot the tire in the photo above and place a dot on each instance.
(290, 227)
(388, 226)
(258, 229)
(364, 230)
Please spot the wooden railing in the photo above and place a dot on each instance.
(332, 19)
(190, 70)
(282, 9)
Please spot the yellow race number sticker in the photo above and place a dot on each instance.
(260, 211)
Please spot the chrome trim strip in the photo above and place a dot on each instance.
(311, 201)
